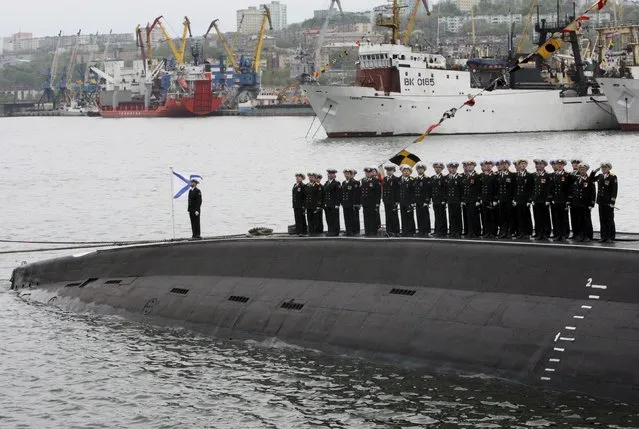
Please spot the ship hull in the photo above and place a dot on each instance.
(351, 111)
(623, 96)
(174, 108)
(508, 309)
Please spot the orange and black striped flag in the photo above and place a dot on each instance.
(405, 157)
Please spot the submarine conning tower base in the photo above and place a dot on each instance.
(557, 315)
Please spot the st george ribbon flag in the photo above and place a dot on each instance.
(182, 184)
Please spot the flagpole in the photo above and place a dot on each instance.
(172, 202)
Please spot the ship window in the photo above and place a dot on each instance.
(457, 77)
(403, 57)
(447, 76)
(394, 56)
(406, 73)
(419, 74)
(432, 75)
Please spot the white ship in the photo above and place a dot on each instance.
(623, 95)
(400, 92)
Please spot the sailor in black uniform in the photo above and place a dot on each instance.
(505, 192)
(607, 185)
(194, 208)
(407, 201)
(540, 200)
(582, 200)
(454, 188)
(489, 202)
(299, 204)
(351, 198)
(558, 194)
(390, 196)
(521, 199)
(423, 193)
(371, 193)
(314, 202)
(574, 175)
(438, 186)
(471, 200)
(551, 178)
(332, 198)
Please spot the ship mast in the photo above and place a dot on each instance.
(392, 23)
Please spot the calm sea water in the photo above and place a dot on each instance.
(89, 179)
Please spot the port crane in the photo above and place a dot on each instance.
(177, 53)
(65, 86)
(411, 20)
(225, 45)
(322, 34)
(266, 17)
(48, 91)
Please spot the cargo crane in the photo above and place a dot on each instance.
(48, 91)
(65, 86)
(227, 48)
(149, 42)
(177, 53)
(266, 17)
(411, 20)
(322, 34)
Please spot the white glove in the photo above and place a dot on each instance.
(463, 204)
(477, 204)
(336, 207)
(547, 203)
(514, 203)
(528, 204)
(443, 203)
(612, 206)
(495, 203)
(590, 208)
(197, 213)
(426, 205)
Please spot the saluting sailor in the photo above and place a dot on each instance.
(607, 185)
(332, 198)
(438, 186)
(351, 202)
(423, 193)
(390, 196)
(299, 204)
(540, 200)
(407, 201)
(454, 189)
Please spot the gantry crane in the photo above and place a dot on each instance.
(411, 20)
(48, 89)
(266, 17)
(322, 34)
(227, 48)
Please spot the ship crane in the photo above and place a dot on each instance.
(227, 48)
(411, 20)
(177, 53)
(48, 94)
(266, 17)
(322, 34)
(149, 41)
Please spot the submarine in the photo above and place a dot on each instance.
(560, 316)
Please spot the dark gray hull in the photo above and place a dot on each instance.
(560, 316)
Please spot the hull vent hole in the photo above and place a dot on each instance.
(72, 284)
(113, 282)
(179, 291)
(409, 292)
(292, 305)
(87, 281)
(238, 298)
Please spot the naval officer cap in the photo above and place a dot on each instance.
(374, 169)
(319, 176)
(540, 161)
(576, 160)
(389, 167)
(452, 164)
(486, 162)
(553, 162)
(367, 169)
(561, 161)
(438, 164)
(504, 161)
(300, 175)
(331, 170)
(469, 163)
(420, 165)
(405, 167)
(584, 165)
(606, 165)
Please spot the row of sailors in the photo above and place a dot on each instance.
(490, 204)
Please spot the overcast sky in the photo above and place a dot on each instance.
(46, 18)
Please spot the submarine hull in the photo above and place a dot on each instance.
(559, 316)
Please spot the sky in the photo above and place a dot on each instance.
(47, 18)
